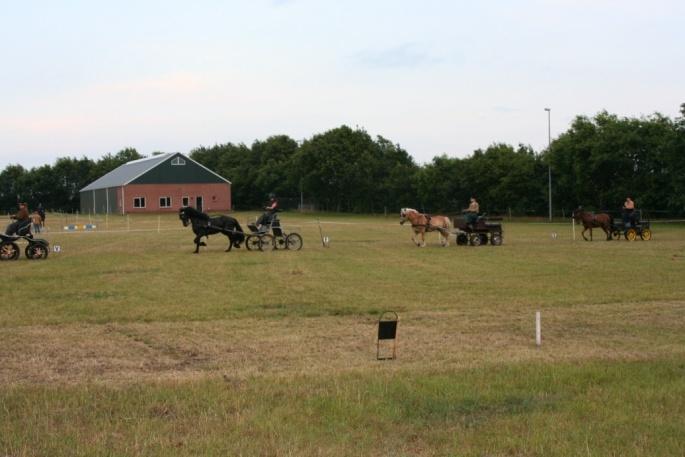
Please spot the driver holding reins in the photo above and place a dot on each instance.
(21, 220)
(271, 209)
(471, 213)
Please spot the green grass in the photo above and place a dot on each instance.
(126, 343)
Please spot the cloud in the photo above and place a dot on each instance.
(407, 55)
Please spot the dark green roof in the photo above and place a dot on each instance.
(157, 170)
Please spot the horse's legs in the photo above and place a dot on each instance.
(423, 238)
(230, 244)
(583, 233)
(198, 243)
(415, 238)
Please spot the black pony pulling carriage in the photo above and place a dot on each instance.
(203, 225)
(260, 239)
(36, 248)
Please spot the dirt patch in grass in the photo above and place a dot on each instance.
(244, 348)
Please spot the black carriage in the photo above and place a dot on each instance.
(272, 236)
(36, 248)
(483, 231)
(631, 227)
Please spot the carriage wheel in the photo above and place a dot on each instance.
(646, 234)
(475, 239)
(462, 239)
(280, 242)
(266, 242)
(631, 234)
(616, 234)
(496, 239)
(252, 243)
(9, 251)
(293, 242)
(36, 251)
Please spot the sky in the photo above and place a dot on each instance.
(86, 78)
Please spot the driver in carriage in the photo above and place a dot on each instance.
(267, 217)
(21, 218)
(471, 213)
(628, 212)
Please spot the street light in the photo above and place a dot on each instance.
(549, 164)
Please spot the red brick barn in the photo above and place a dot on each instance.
(161, 183)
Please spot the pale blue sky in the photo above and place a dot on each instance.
(90, 77)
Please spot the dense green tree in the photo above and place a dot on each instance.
(600, 161)
(596, 163)
(12, 186)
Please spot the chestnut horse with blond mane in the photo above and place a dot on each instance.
(422, 223)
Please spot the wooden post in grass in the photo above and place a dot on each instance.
(538, 330)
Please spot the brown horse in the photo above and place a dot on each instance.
(590, 220)
(422, 223)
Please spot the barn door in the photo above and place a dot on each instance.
(198, 203)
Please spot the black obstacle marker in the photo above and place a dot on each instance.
(387, 330)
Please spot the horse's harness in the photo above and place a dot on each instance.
(427, 224)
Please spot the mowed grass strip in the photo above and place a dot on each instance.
(620, 408)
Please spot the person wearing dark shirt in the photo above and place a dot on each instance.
(21, 220)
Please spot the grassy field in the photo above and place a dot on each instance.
(126, 343)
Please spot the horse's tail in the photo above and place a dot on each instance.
(448, 223)
(239, 233)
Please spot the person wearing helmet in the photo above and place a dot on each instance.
(21, 220)
(270, 209)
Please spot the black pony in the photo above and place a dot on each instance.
(203, 225)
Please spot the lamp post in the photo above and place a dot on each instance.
(549, 165)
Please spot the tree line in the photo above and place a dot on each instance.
(596, 163)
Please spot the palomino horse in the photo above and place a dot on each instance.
(590, 220)
(422, 223)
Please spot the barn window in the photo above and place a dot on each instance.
(165, 202)
(186, 201)
(178, 161)
(139, 202)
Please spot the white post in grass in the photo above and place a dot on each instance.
(538, 331)
(573, 228)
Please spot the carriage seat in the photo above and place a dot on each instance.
(25, 230)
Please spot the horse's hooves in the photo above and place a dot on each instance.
(203, 244)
